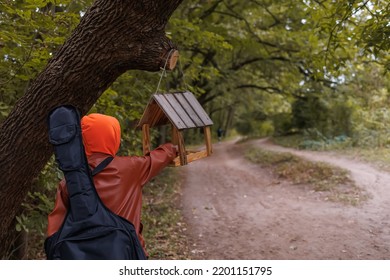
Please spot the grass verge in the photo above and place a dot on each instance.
(164, 229)
(333, 181)
(378, 156)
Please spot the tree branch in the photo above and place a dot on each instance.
(249, 29)
(237, 66)
(234, 14)
(268, 89)
(321, 3)
(309, 74)
(276, 19)
(209, 11)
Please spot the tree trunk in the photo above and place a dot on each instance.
(112, 37)
(229, 120)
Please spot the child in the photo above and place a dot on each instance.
(120, 184)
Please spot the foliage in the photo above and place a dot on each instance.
(36, 207)
(312, 139)
(304, 52)
(317, 69)
(363, 22)
(30, 32)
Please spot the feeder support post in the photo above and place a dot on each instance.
(207, 137)
(146, 138)
(180, 144)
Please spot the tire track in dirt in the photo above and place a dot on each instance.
(236, 210)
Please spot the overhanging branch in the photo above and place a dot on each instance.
(209, 11)
(268, 89)
(237, 66)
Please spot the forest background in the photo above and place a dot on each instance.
(312, 72)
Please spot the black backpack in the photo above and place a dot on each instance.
(90, 230)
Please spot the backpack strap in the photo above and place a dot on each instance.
(101, 165)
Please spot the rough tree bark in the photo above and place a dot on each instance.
(112, 37)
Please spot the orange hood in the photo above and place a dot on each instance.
(101, 134)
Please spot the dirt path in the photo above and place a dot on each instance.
(236, 210)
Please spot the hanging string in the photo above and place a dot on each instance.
(164, 70)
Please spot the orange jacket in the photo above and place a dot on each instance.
(120, 184)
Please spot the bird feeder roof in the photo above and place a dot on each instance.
(180, 109)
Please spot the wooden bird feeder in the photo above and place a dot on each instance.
(182, 111)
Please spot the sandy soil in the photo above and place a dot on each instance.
(236, 210)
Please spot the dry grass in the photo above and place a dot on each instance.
(164, 228)
(379, 157)
(321, 176)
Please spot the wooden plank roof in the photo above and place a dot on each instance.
(182, 109)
